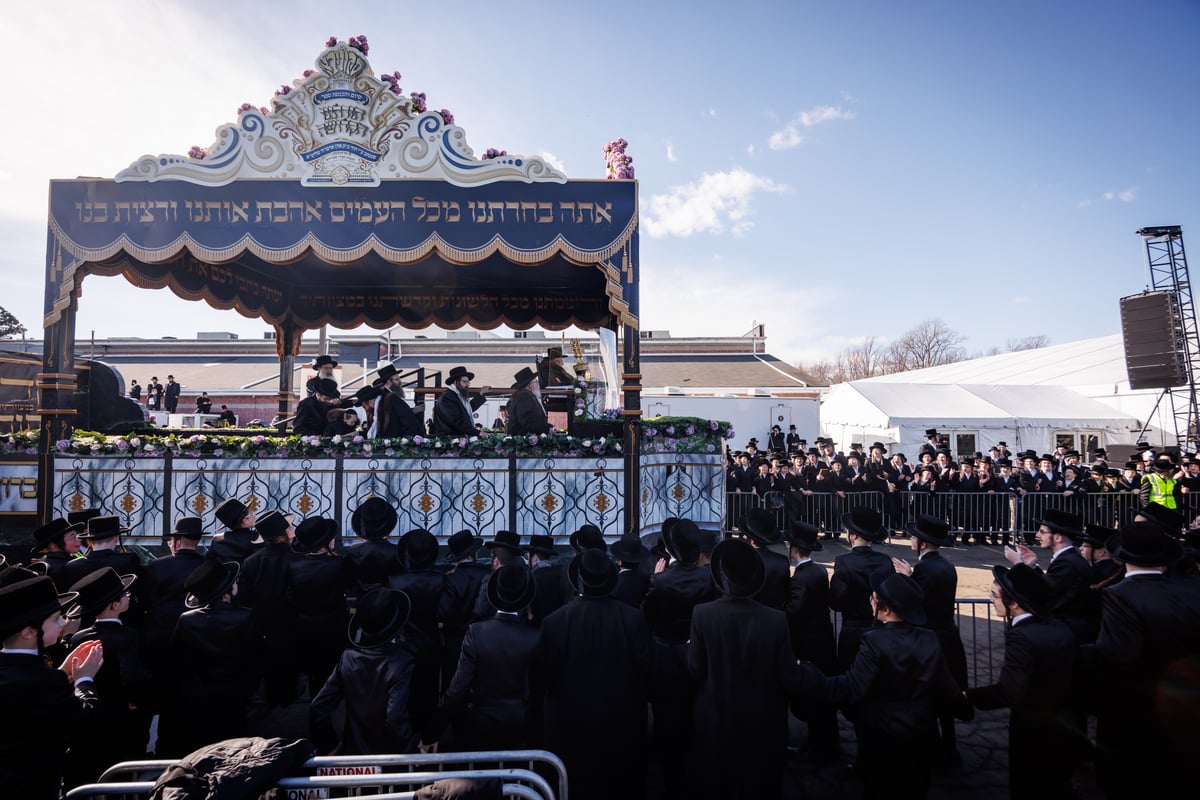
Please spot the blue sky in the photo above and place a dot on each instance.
(834, 170)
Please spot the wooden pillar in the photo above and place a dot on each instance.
(631, 388)
(56, 403)
(287, 347)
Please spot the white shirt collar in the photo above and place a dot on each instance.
(1021, 618)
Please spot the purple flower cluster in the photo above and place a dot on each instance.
(282, 90)
(447, 117)
(393, 81)
(308, 72)
(618, 166)
(359, 43)
(198, 153)
(331, 42)
(492, 152)
(418, 102)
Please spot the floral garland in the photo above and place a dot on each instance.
(684, 435)
(618, 166)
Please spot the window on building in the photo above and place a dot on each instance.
(964, 444)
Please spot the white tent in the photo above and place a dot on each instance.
(975, 416)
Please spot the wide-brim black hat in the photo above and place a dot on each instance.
(15, 573)
(931, 529)
(1063, 522)
(804, 536)
(385, 372)
(462, 544)
(511, 588)
(230, 512)
(83, 515)
(865, 522)
(541, 545)
(902, 595)
(629, 549)
(189, 528)
(738, 567)
(1170, 519)
(314, 533)
(1027, 587)
(326, 387)
(272, 525)
(96, 590)
(588, 537)
(420, 549)
(682, 538)
(459, 372)
(209, 581)
(29, 602)
(1144, 544)
(374, 518)
(103, 528)
(1097, 535)
(380, 616)
(506, 539)
(593, 573)
(523, 378)
(54, 531)
(759, 525)
(321, 361)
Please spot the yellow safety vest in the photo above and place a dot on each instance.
(1162, 490)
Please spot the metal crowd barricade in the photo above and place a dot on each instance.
(514, 767)
(1004, 515)
(823, 510)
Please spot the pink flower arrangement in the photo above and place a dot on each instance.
(618, 166)
(393, 81)
(447, 117)
(198, 153)
(359, 43)
(332, 42)
(418, 102)
(492, 152)
(283, 89)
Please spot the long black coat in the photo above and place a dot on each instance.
(56, 561)
(456, 610)
(374, 685)
(808, 617)
(740, 656)
(1038, 654)
(395, 417)
(41, 712)
(595, 659)
(552, 591)
(311, 417)
(525, 414)
(450, 417)
(850, 593)
(673, 594)
(489, 697)
(632, 586)
(425, 589)
(939, 581)
(76, 568)
(263, 588)
(234, 545)
(1148, 655)
(774, 591)
(317, 595)
(1070, 577)
(370, 563)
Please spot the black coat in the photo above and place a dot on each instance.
(850, 593)
(632, 586)
(394, 417)
(161, 590)
(740, 657)
(450, 417)
(525, 414)
(1070, 577)
(233, 545)
(41, 712)
(317, 595)
(808, 617)
(673, 595)
(774, 591)
(1038, 655)
(76, 568)
(489, 697)
(370, 563)
(939, 581)
(552, 592)
(374, 685)
(595, 660)
(56, 561)
(311, 417)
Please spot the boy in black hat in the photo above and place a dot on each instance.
(40, 711)
(237, 543)
(373, 559)
(103, 537)
(457, 604)
(373, 679)
(57, 542)
(161, 588)
(317, 581)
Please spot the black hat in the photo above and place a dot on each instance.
(902, 595)
(966, 462)
(682, 538)
(1100, 451)
(327, 387)
(54, 531)
(1027, 587)
(321, 361)
(541, 545)
(96, 590)
(554, 352)
(931, 529)
(272, 525)
(209, 581)
(879, 446)
(189, 528)
(231, 512)
(931, 432)
(459, 372)
(1144, 544)
(1002, 444)
(1097, 535)
(511, 588)
(1164, 461)
(588, 537)
(812, 451)
(462, 544)
(903, 458)
(385, 372)
(1168, 518)
(420, 549)
(103, 528)
(83, 516)
(29, 602)
(1004, 462)
(1064, 522)
(523, 378)
(375, 518)
(759, 524)
(804, 536)
(738, 567)
(15, 573)
(381, 614)
(1131, 464)
(506, 539)
(593, 573)
(629, 549)
(865, 522)
(314, 533)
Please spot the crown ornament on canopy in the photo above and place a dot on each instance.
(340, 125)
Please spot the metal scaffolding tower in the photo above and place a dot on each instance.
(1169, 273)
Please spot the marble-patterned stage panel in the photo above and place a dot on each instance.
(130, 488)
(303, 487)
(686, 485)
(556, 496)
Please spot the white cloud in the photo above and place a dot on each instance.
(1020, 301)
(750, 149)
(1126, 196)
(1123, 196)
(711, 113)
(790, 135)
(671, 152)
(553, 161)
(718, 200)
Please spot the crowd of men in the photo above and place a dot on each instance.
(716, 639)
(816, 483)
